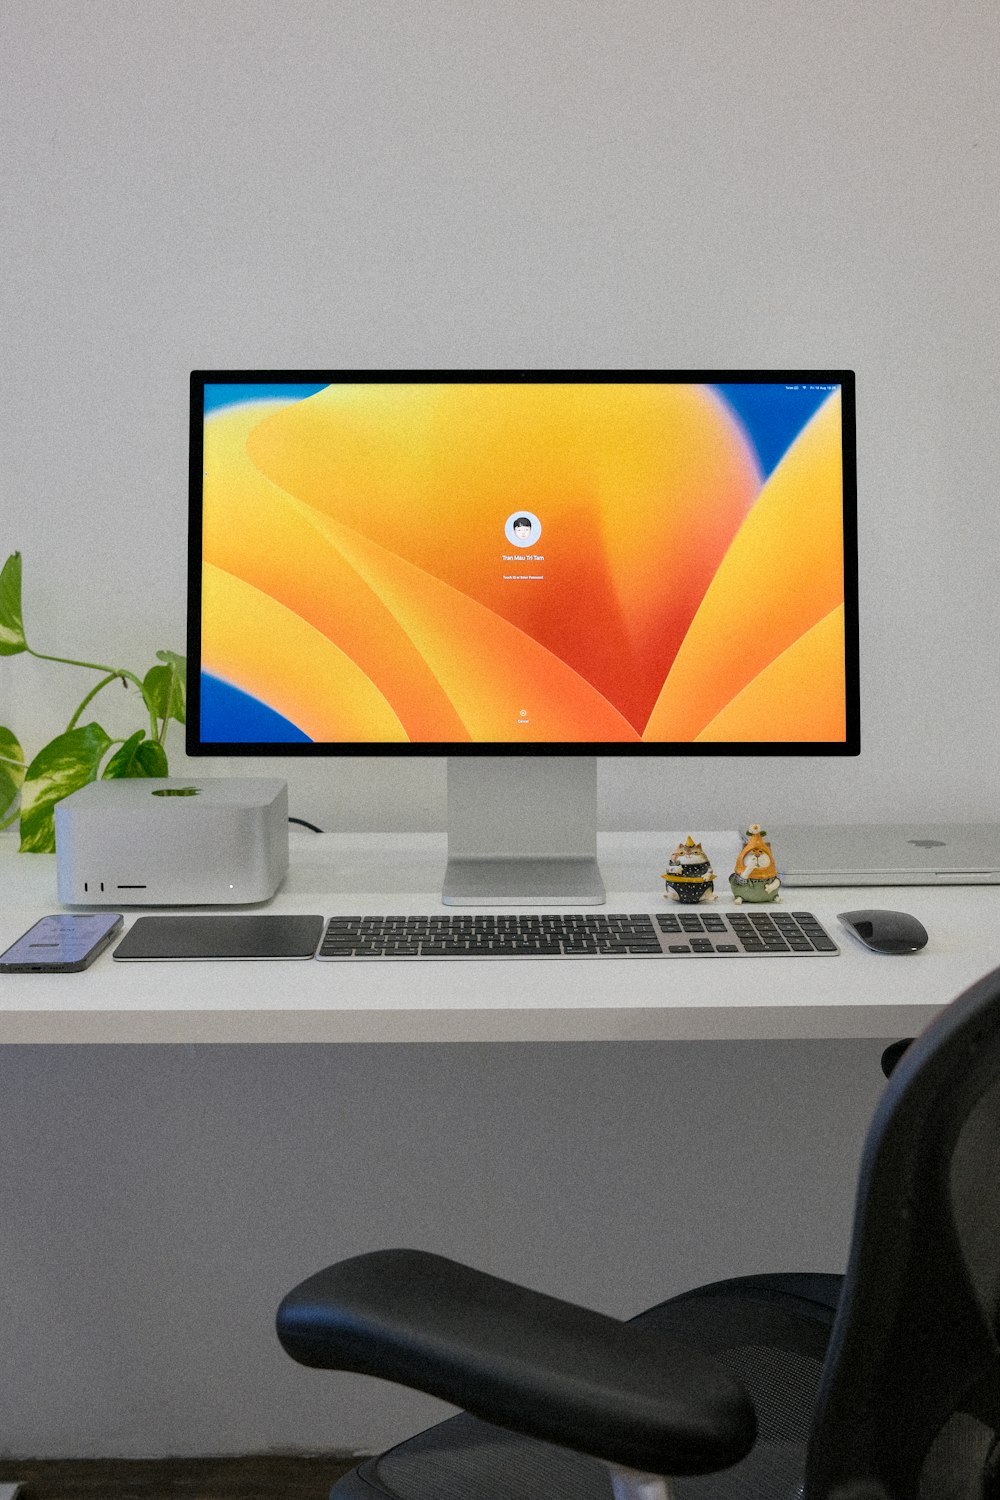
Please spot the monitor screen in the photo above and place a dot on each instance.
(523, 562)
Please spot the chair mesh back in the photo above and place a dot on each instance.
(909, 1403)
(975, 1198)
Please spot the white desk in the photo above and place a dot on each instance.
(854, 995)
(161, 1200)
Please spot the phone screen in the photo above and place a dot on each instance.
(62, 943)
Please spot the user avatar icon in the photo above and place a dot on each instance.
(523, 529)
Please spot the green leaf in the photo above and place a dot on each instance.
(12, 638)
(173, 660)
(137, 757)
(11, 770)
(152, 757)
(123, 760)
(165, 688)
(65, 764)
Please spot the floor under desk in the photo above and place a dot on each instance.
(257, 1477)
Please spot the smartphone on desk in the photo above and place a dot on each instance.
(61, 944)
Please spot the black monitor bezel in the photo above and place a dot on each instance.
(850, 746)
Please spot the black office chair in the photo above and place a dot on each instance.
(882, 1383)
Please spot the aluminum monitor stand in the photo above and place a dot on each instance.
(522, 831)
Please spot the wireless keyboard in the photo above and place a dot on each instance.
(674, 934)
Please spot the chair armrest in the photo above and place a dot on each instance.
(520, 1359)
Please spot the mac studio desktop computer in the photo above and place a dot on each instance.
(522, 571)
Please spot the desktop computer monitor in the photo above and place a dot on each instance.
(522, 571)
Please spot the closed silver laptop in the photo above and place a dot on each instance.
(887, 854)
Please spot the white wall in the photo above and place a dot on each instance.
(203, 183)
(158, 1202)
(635, 184)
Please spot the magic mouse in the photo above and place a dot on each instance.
(885, 931)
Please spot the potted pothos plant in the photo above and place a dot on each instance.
(83, 751)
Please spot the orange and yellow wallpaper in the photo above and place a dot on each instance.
(454, 562)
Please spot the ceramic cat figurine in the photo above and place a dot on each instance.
(755, 877)
(689, 875)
